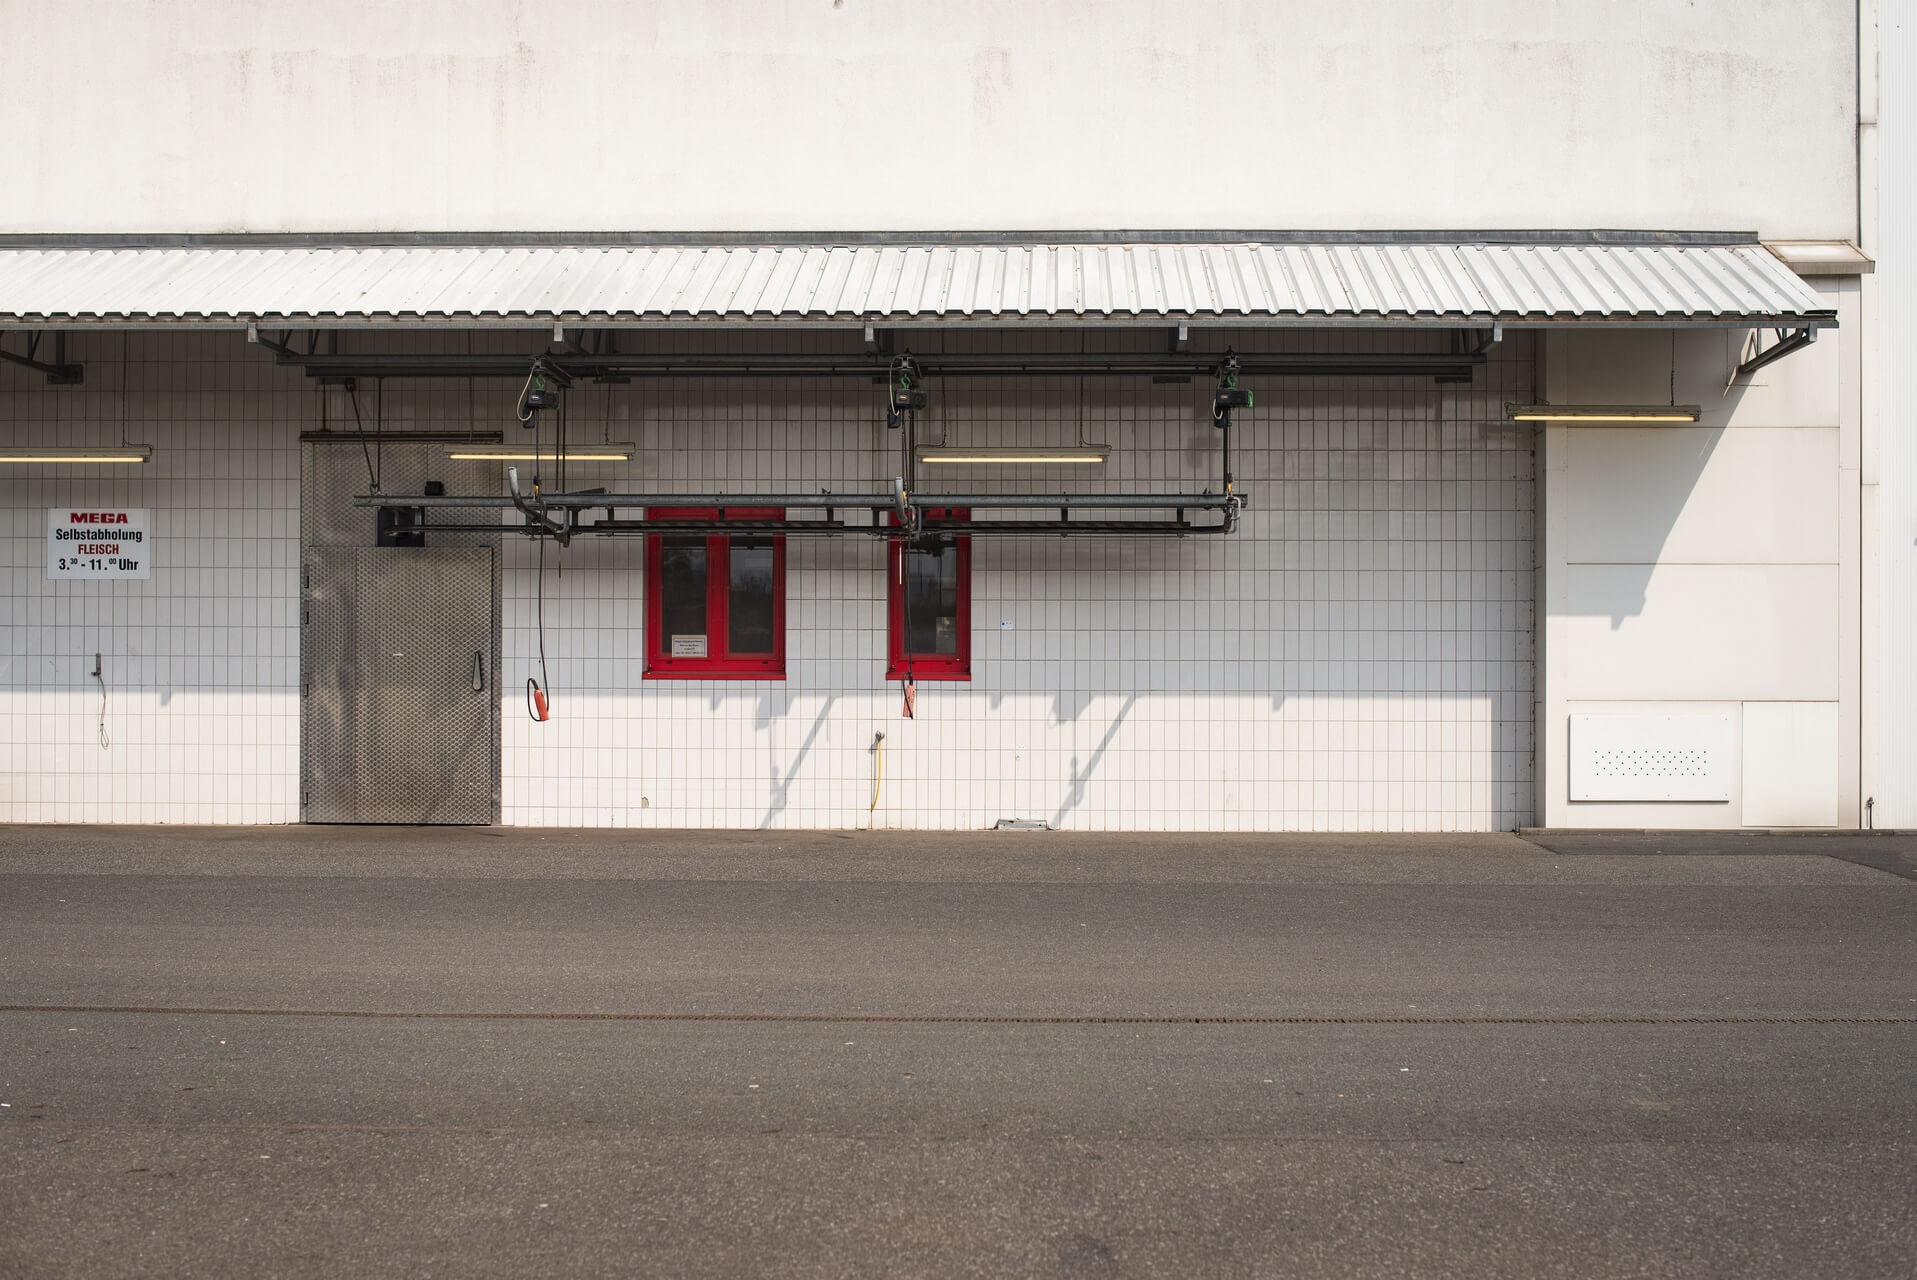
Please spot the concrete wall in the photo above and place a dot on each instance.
(1358, 657)
(1706, 572)
(271, 115)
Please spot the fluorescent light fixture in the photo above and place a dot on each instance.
(615, 451)
(1604, 412)
(78, 453)
(1029, 455)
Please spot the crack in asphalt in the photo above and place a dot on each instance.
(1303, 1020)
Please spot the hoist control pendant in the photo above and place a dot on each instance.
(1229, 398)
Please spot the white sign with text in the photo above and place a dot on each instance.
(97, 542)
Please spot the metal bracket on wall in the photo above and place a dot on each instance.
(59, 372)
(1788, 340)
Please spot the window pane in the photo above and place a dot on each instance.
(682, 595)
(749, 611)
(931, 600)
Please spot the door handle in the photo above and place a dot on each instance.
(479, 671)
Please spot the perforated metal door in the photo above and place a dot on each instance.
(330, 702)
(401, 714)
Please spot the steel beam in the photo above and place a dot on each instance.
(1793, 340)
(1377, 364)
(59, 372)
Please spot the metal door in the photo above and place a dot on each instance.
(401, 717)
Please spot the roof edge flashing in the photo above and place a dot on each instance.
(1822, 257)
(1459, 282)
(773, 239)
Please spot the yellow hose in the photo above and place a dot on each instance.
(878, 776)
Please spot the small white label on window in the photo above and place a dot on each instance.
(688, 646)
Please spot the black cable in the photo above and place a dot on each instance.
(536, 688)
(911, 687)
(352, 392)
(379, 430)
(525, 414)
(533, 419)
(99, 673)
(539, 611)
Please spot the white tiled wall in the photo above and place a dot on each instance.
(1358, 656)
(201, 660)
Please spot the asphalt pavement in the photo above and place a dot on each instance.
(373, 1052)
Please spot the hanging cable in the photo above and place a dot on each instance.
(379, 430)
(537, 706)
(124, 397)
(99, 673)
(533, 422)
(524, 410)
(559, 447)
(352, 392)
(911, 687)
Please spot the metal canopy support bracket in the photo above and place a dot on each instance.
(1788, 340)
(59, 372)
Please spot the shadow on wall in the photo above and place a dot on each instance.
(1075, 794)
(1626, 488)
(782, 786)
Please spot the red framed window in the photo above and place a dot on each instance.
(715, 602)
(929, 603)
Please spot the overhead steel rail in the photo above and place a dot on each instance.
(902, 512)
(564, 516)
(1445, 365)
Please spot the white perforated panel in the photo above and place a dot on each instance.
(1651, 758)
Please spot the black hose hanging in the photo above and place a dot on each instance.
(911, 687)
(537, 706)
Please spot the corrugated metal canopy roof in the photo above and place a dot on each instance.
(1336, 282)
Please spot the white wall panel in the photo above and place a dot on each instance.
(1653, 366)
(1716, 563)
(1671, 815)
(1896, 421)
(1651, 758)
(1680, 631)
(760, 114)
(1689, 495)
(1792, 762)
